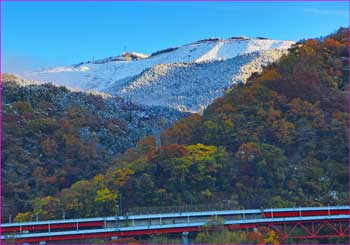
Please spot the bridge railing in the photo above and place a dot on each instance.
(179, 209)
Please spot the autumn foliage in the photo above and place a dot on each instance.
(278, 141)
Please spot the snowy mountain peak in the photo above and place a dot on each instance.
(188, 77)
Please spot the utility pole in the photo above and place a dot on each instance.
(185, 238)
(158, 140)
(120, 204)
(117, 216)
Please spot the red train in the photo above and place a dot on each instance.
(52, 226)
(295, 212)
(98, 223)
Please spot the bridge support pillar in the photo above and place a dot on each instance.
(185, 238)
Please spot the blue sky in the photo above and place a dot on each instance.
(43, 34)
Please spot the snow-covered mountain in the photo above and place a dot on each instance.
(188, 78)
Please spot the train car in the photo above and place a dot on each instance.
(38, 226)
(112, 221)
(167, 218)
(303, 212)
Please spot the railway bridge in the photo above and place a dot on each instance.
(296, 223)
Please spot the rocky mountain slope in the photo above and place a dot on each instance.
(187, 78)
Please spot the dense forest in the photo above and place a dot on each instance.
(53, 137)
(278, 141)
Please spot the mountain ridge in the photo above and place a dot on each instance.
(112, 74)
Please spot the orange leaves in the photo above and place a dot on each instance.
(248, 152)
(171, 151)
(331, 43)
(254, 237)
(311, 43)
(49, 146)
(227, 108)
(279, 128)
(146, 144)
(284, 131)
(305, 111)
(270, 115)
(182, 132)
(269, 75)
(341, 117)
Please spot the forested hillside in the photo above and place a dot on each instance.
(278, 141)
(53, 137)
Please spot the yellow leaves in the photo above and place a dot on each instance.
(44, 200)
(271, 238)
(160, 191)
(81, 186)
(99, 181)
(105, 195)
(228, 124)
(41, 205)
(23, 217)
(121, 176)
(207, 194)
(200, 150)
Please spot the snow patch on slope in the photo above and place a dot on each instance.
(191, 87)
(206, 68)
